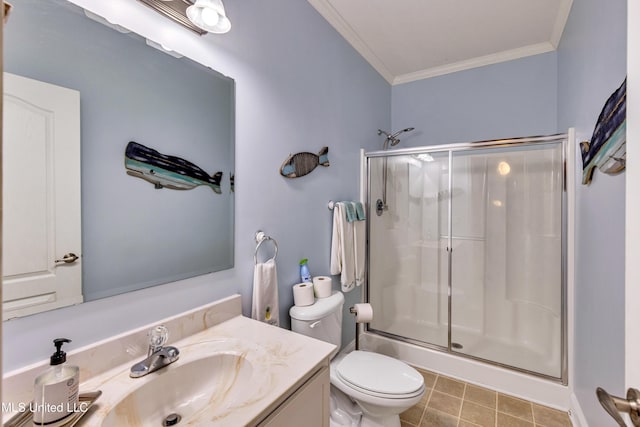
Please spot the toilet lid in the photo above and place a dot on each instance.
(379, 373)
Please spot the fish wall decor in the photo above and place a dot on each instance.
(607, 149)
(301, 164)
(165, 171)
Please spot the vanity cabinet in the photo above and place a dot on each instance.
(308, 406)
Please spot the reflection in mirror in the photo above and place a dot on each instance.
(135, 232)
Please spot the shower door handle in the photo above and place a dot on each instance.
(614, 405)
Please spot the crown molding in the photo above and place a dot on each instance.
(330, 14)
(561, 21)
(494, 58)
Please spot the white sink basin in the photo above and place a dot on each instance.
(199, 390)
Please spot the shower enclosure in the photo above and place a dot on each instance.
(468, 256)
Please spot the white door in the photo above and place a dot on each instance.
(41, 196)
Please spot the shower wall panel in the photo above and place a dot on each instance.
(511, 253)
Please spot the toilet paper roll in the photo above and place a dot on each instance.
(303, 294)
(363, 312)
(322, 286)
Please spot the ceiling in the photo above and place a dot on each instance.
(408, 40)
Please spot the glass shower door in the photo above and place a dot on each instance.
(506, 283)
(408, 261)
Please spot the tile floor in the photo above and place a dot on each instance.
(452, 403)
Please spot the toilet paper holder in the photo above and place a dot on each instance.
(353, 310)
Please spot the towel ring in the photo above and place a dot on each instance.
(260, 239)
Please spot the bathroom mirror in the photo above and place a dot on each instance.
(135, 234)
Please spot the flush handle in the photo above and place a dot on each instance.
(614, 405)
(314, 324)
(69, 258)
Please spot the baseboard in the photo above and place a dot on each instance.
(576, 414)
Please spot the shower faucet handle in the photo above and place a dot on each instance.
(614, 405)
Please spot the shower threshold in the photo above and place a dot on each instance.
(471, 344)
(531, 386)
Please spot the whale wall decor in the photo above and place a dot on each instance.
(607, 149)
(165, 171)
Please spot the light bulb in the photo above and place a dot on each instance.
(504, 168)
(209, 16)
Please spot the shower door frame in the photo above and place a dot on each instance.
(563, 140)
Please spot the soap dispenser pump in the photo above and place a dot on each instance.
(56, 389)
(59, 357)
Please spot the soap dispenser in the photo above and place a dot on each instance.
(56, 389)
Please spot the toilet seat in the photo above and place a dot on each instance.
(379, 375)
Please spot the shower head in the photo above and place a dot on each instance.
(395, 140)
(402, 131)
(392, 139)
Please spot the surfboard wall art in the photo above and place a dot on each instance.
(607, 149)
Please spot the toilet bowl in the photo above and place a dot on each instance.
(368, 389)
(381, 386)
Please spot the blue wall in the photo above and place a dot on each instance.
(299, 86)
(509, 99)
(591, 65)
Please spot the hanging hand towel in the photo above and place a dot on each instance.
(342, 251)
(265, 293)
(350, 211)
(360, 211)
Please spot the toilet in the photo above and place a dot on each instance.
(367, 389)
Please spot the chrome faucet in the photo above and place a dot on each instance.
(158, 356)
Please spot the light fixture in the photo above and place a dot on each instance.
(176, 10)
(209, 15)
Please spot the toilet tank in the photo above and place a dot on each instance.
(321, 320)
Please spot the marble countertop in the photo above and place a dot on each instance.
(280, 361)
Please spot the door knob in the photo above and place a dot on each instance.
(67, 258)
(614, 405)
